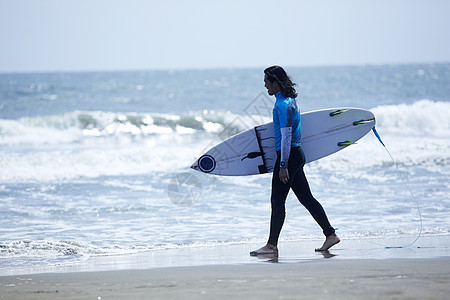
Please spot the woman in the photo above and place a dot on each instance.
(288, 171)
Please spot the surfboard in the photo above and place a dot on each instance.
(251, 152)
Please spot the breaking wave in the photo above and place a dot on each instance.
(92, 144)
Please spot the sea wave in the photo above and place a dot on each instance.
(76, 126)
(93, 144)
(422, 118)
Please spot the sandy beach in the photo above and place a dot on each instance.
(318, 279)
(354, 269)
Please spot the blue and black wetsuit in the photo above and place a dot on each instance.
(286, 118)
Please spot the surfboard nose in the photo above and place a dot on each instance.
(195, 166)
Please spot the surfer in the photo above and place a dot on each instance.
(288, 171)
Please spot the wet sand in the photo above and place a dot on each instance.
(317, 279)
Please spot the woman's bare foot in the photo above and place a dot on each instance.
(268, 249)
(330, 241)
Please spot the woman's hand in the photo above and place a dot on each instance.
(284, 175)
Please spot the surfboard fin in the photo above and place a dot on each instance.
(337, 112)
(362, 122)
(346, 143)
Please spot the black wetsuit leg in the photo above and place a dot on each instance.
(300, 186)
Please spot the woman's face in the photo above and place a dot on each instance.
(272, 87)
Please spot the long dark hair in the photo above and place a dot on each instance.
(278, 74)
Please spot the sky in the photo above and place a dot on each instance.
(107, 35)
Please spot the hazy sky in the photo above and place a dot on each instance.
(72, 35)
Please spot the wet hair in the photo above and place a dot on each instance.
(279, 75)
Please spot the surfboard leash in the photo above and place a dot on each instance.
(407, 188)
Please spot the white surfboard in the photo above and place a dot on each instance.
(251, 152)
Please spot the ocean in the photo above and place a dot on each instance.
(97, 164)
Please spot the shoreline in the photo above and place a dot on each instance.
(290, 252)
(353, 269)
(412, 278)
